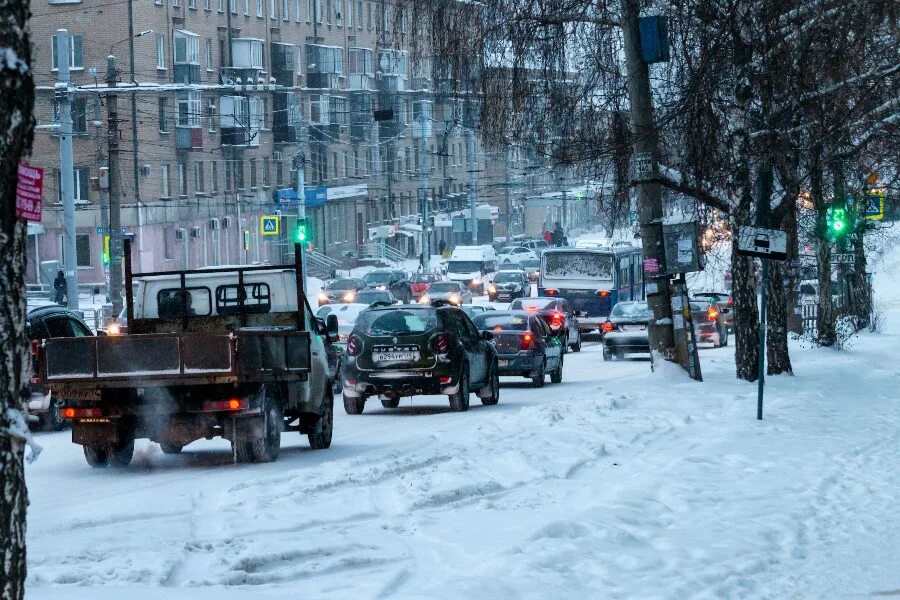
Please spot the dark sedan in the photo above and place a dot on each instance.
(724, 304)
(341, 291)
(532, 268)
(375, 297)
(41, 323)
(414, 350)
(390, 280)
(558, 314)
(525, 345)
(509, 285)
(625, 330)
(709, 324)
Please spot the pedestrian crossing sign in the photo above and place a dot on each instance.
(268, 225)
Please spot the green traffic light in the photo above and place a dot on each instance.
(838, 226)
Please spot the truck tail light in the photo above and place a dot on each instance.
(551, 292)
(230, 404)
(602, 293)
(527, 340)
(80, 413)
(607, 327)
(354, 346)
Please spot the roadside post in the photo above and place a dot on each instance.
(766, 244)
(682, 255)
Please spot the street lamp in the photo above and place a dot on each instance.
(137, 35)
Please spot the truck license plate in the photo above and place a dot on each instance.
(380, 357)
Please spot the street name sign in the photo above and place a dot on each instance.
(762, 242)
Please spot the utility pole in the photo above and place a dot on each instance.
(66, 169)
(300, 164)
(115, 190)
(649, 195)
(507, 184)
(426, 245)
(470, 146)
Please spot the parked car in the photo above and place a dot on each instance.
(558, 314)
(625, 330)
(341, 290)
(413, 350)
(375, 297)
(536, 246)
(346, 315)
(509, 285)
(725, 304)
(45, 322)
(513, 254)
(394, 281)
(526, 347)
(420, 282)
(532, 268)
(450, 292)
(709, 324)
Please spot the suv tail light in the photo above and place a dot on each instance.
(440, 343)
(551, 292)
(608, 326)
(556, 320)
(527, 340)
(36, 361)
(354, 346)
(712, 314)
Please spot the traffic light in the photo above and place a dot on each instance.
(303, 234)
(104, 254)
(838, 221)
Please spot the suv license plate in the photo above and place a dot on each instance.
(382, 357)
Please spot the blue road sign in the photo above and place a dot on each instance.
(268, 225)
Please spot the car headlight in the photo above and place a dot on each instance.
(113, 329)
(381, 287)
(476, 280)
(323, 297)
(349, 297)
(492, 289)
(424, 299)
(453, 298)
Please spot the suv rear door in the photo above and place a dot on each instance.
(471, 340)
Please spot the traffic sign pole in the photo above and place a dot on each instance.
(762, 212)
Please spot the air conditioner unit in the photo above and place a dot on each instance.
(226, 222)
(195, 232)
(214, 224)
(181, 234)
(145, 171)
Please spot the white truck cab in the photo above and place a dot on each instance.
(472, 265)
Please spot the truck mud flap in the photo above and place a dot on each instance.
(95, 432)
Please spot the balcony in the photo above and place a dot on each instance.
(188, 138)
(323, 81)
(361, 82)
(242, 77)
(235, 137)
(330, 132)
(187, 74)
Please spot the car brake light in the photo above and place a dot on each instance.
(607, 327)
(603, 293)
(712, 314)
(556, 320)
(80, 413)
(442, 344)
(444, 379)
(527, 340)
(354, 345)
(35, 361)
(730, 301)
(551, 292)
(230, 404)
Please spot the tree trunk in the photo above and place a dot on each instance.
(862, 297)
(777, 354)
(16, 129)
(825, 314)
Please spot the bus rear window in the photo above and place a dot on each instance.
(576, 265)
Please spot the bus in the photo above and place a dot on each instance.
(593, 280)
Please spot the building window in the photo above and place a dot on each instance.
(339, 12)
(221, 6)
(189, 109)
(81, 190)
(369, 18)
(318, 109)
(265, 172)
(260, 9)
(165, 183)
(192, 4)
(317, 10)
(83, 250)
(252, 173)
(334, 165)
(211, 116)
(176, 3)
(285, 10)
(297, 10)
(76, 54)
(209, 60)
(359, 14)
(207, 5)
(272, 9)
(182, 179)
(163, 115)
(279, 173)
(232, 6)
(229, 175)
(78, 110)
(198, 177)
(187, 48)
(214, 180)
(350, 4)
(168, 254)
(246, 8)
(160, 51)
(239, 174)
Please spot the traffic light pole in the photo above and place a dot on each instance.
(426, 246)
(300, 164)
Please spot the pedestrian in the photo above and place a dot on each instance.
(59, 287)
(558, 235)
(548, 237)
(442, 247)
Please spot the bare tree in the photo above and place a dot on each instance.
(16, 127)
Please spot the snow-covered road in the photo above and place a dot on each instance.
(617, 483)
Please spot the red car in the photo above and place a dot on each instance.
(420, 282)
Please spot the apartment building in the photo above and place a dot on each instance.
(219, 103)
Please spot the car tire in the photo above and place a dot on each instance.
(538, 379)
(576, 347)
(494, 384)
(320, 437)
(96, 456)
(607, 355)
(556, 375)
(565, 344)
(267, 448)
(170, 448)
(390, 402)
(120, 455)
(354, 406)
(459, 402)
(242, 451)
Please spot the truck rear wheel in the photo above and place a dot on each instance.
(320, 437)
(96, 456)
(120, 455)
(267, 448)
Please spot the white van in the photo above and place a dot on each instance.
(472, 265)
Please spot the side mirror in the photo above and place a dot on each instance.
(331, 327)
(487, 336)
